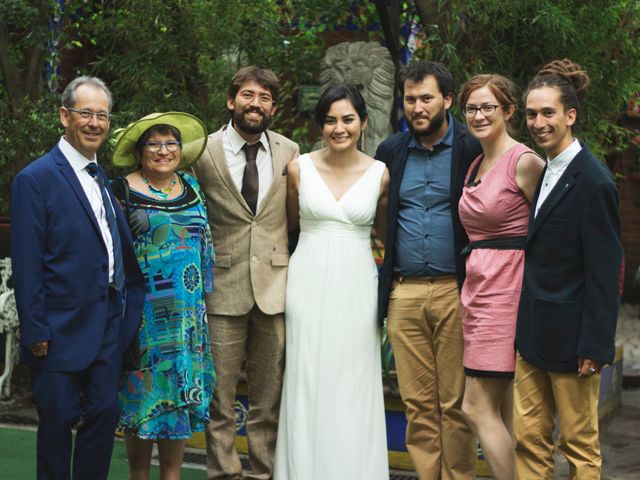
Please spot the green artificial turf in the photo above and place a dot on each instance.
(18, 458)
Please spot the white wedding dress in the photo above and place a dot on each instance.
(332, 424)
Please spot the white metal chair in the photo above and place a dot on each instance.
(9, 326)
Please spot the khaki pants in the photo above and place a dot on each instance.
(424, 326)
(538, 396)
(261, 338)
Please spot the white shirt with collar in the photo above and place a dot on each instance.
(91, 189)
(555, 168)
(236, 161)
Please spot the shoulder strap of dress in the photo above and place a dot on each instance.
(473, 172)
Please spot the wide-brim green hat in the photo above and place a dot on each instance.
(192, 130)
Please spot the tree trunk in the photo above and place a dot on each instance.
(10, 73)
(389, 13)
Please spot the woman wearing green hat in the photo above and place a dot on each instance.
(167, 398)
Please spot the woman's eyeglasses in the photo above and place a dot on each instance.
(155, 147)
(487, 110)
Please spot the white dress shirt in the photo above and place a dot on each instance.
(236, 161)
(92, 190)
(555, 168)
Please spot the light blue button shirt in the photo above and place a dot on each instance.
(424, 242)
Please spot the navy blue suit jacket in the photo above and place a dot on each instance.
(60, 267)
(394, 152)
(570, 291)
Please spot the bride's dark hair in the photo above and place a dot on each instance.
(341, 91)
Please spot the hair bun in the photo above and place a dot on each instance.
(570, 71)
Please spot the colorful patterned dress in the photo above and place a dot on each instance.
(169, 396)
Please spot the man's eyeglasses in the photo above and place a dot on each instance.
(248, 96)
(155, 147)
(103, 117)
(487, 110)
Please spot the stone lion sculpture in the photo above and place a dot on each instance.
(367, 65)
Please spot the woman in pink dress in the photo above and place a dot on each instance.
(494, 210)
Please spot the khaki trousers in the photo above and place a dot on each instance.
(538, 396)
(261, 339)
(424, 326)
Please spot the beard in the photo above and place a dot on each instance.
(434, 125)
(247, 126)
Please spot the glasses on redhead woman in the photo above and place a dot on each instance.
(486, 109)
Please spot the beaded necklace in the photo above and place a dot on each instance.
(162, 192)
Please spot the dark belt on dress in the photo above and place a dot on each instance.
(501, 243)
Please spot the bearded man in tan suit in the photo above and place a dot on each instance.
(243, 174)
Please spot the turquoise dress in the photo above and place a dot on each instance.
(168, 397)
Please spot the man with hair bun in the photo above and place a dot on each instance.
(569, 303)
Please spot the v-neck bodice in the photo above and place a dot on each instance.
(352, 215)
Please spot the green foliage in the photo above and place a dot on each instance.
(180, 55)
(17, 19)
(160, 55)
(517, 38)
(29, 123)
(28, 133)
(25, 134)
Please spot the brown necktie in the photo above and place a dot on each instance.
(250, 177)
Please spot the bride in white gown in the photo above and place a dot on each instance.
(332, 424)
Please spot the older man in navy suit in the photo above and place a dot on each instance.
(78, 287)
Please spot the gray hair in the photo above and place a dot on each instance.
(69, 94)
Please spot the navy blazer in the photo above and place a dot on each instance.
(394, 152)
(60, 267)
(570, 291)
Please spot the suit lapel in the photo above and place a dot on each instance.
(277, 161)
(121, 221)
(74, 183)
(565, 183)
(396, 171)
(216, 151)
(534, 202)
(457, 169)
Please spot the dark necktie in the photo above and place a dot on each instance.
(250, 177)
(118, 266)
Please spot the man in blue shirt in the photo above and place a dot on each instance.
(423, 271)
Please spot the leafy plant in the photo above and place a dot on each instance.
(516, 39)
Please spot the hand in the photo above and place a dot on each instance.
(40, 349)
(588, 367)
(138, 222)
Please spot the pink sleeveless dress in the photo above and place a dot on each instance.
(493, 208)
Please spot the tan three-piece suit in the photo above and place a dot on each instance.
(246, 310)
